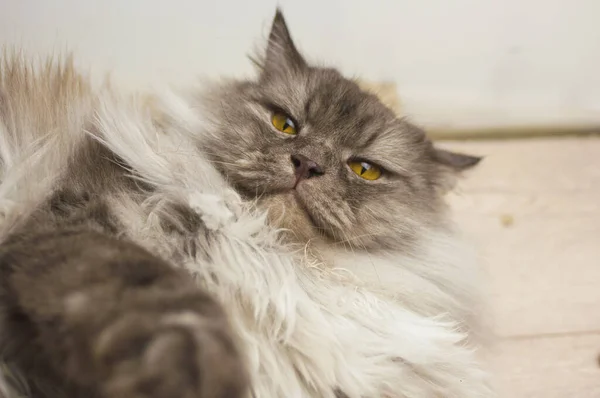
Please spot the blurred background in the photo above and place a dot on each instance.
(515, 81)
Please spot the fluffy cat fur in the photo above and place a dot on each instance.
(342, 288)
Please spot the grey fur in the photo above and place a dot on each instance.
(336, 122)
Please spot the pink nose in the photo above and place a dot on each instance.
(305, 168)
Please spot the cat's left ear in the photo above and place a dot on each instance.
(456, 162)
(282, 54)
(451, 165)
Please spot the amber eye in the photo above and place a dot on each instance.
(283, 123)
(365, 170)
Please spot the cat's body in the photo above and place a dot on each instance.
(112, 206)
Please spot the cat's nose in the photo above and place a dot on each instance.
(305, 168)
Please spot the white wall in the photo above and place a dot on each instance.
(456, 62)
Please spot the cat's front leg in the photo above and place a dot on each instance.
(109, 318)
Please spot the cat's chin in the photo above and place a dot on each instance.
(286, 211)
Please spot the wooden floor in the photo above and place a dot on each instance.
(533, 208)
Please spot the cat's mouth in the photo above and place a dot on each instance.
(288, 208)
(310, 217)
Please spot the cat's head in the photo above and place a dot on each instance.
(325, 157)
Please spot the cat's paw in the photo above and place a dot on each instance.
(178, 355)
(214, 210)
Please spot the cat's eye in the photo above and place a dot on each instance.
(365, 170)
(283, 123)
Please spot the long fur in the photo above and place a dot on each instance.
(368, 324)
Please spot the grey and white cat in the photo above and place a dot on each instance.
(149, 246)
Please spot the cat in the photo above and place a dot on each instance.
(279, 237)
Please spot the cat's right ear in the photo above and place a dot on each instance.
(282, 54)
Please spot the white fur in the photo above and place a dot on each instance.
(374, 326)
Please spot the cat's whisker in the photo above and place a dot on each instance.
(223, 163)
(362, 236)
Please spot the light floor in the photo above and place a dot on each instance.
(533, 208)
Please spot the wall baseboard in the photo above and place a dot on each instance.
(514, 132)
